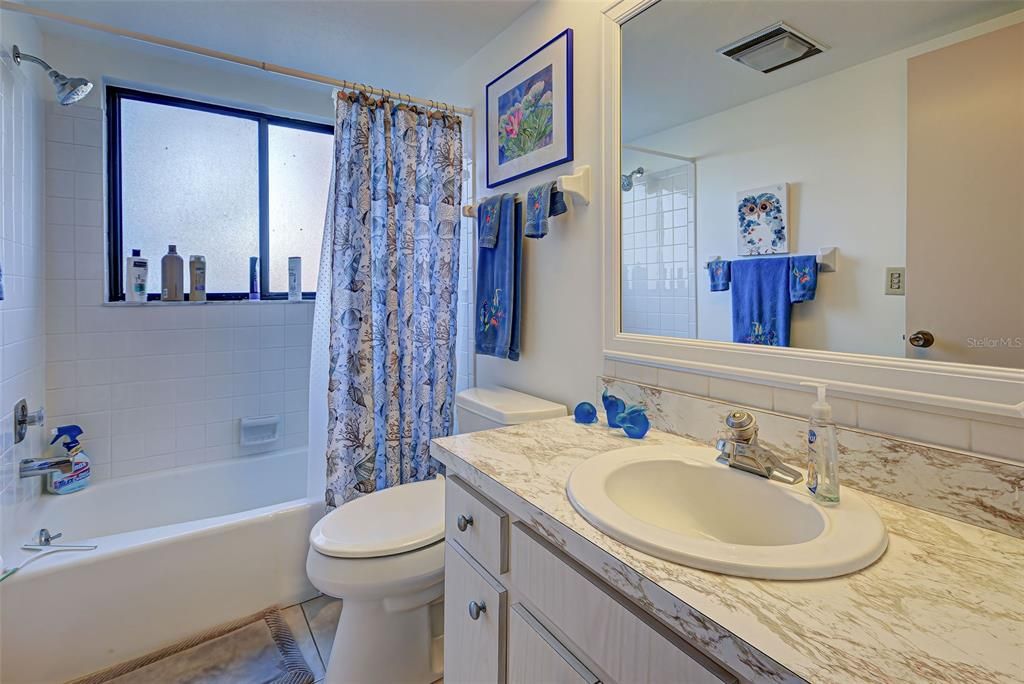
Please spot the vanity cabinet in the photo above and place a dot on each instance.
(519, 610)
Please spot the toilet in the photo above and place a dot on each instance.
(383, 556)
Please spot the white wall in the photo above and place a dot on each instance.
(158, 387)
(22, 341)
(561, 330)
(122, 62)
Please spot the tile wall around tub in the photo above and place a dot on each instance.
(153, 386)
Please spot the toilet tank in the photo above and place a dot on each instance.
(483, 408)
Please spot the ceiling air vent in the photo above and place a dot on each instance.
(772, 48)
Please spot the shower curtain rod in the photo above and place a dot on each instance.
(227, 57)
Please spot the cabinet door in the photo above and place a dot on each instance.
(535, 655)
(474, 621)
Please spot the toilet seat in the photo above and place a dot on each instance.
(388, 522)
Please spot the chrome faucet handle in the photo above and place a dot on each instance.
(741, 426)
(45, 538)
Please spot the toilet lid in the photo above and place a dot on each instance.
(384, 523)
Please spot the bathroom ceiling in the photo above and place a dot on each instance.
(671, 48)
(405, 45)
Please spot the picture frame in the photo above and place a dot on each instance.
(762, 217)
(529, 113)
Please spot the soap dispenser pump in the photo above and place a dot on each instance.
(822, 450)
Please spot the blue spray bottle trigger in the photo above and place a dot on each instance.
(72, 432)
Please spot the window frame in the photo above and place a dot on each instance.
(115, 242)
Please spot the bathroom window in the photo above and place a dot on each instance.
(222, 182)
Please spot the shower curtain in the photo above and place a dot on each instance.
(389, 270)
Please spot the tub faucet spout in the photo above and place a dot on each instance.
(36, 467)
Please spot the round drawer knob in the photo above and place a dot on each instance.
(476, 608)
(464, 522)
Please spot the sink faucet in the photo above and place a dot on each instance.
(36, 467)
(738, 448)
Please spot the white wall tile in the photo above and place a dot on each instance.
(1004, 441)
(931, 428)
(745, 393)
(647, 375)
(798, 403)
(681, 381)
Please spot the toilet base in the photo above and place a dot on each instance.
(375, 645)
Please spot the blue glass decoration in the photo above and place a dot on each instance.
(585, 413)
(613, 406)
(634, 421)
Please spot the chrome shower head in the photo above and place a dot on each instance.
(627, 179)
(68, 90)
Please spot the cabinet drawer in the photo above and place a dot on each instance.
(618, 637)
(474, 640)
(535, 655)
(477, 524)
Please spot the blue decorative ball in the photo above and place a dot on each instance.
(585, 413)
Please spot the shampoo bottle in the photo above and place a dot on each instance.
(136, 271)
(822, 450)
(197, 278)
(78, 478)
(294, 279)
(172, 276)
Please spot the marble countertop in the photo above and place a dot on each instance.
(945, 603)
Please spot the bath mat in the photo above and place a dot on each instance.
(259, 649)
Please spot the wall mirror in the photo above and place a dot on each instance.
(880, 144)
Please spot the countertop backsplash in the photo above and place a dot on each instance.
(967, 487)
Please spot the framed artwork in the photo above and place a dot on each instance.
(529, 113)
(763, 218)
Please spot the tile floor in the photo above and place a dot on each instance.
(313, 623)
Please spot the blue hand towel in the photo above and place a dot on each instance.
(538, 208)
(488, 218)
(760, 301)
(803, 278)
(499, 284)
(558, 205)
(719, 273)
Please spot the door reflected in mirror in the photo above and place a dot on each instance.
(757, 135)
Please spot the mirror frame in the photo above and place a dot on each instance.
(943, 387)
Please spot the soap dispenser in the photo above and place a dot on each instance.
(822, 450)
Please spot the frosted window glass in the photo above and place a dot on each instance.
(190, 178)
(300, 176)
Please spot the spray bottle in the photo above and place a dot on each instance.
(78, 478)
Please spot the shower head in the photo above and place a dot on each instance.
(69, 90)
(627, 179)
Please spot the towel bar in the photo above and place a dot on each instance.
(577, 186)
(827, 258)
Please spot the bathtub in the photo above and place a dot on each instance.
(179, 551)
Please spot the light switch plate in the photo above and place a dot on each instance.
(895, 280)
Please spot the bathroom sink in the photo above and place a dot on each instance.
(678, 504)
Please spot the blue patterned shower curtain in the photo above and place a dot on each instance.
(391, 242)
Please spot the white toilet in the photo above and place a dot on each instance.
(383, 555)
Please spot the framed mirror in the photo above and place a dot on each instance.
(820, 189)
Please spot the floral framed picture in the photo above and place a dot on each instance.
(529, 113)
(762, 215)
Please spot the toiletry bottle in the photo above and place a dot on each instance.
(254, 278)
(294, 279)
(822, 450)
(136, 274)
(172, 276)
(78, 478)
(197, 278)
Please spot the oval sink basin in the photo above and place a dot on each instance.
(678, 504)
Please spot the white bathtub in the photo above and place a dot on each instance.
(179, 551)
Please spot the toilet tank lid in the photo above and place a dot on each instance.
(506, 406)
